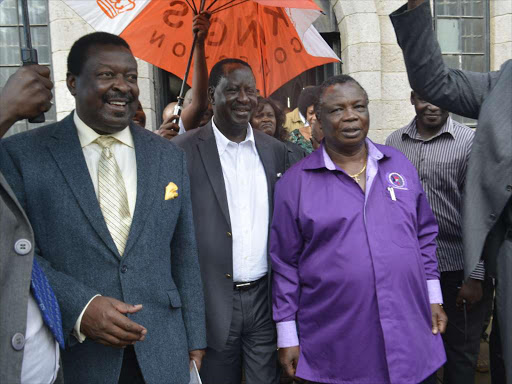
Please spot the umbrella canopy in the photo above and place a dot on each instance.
(276, 37)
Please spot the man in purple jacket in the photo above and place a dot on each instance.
(356, 292)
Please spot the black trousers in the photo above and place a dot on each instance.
(251, 344)
(130, 370)
(495, 353)
(462, 337)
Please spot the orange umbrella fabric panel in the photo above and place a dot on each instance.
(263, 36)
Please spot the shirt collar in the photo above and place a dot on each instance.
(321, 159)
(303, 119)
(87, 135)
(223, 142)
(412, 132)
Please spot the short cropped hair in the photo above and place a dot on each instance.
(80, 49)
(217, 71)
(307, 98)
(340, 79)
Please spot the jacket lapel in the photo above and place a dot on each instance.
(211, 161)
(67, 152)
(148, 168)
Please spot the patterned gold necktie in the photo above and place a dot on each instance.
(112, 195)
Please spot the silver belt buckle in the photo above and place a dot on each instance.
(242, 285)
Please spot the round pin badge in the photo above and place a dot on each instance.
(397, 180)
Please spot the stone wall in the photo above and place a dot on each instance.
(501, 32)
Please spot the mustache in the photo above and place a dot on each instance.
(128, 97)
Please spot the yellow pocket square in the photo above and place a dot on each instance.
(171, 191)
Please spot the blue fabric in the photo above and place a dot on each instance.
(47, 302)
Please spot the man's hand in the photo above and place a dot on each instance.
(197, 355)
(288, 358)
(471, 293)
(104, 321)
(169, 129)
(439, 319)
(27, 93)
(201, 25)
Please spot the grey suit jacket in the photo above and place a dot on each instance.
(47, 170)
(483, 96)
(15, 273)
(212, 221)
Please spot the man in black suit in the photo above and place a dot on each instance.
(487, 199)
(233, 169)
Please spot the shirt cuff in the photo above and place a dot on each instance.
(479, 272)
(76, 330)
(435, 294)
(287, 334)
(182, 127)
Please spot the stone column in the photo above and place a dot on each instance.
(501, 32)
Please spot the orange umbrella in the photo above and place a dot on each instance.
(275, 37)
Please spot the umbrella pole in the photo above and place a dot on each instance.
(29, 54)
(179, 107)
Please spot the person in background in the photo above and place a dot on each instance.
(487, 198)
(439, 148)
(356, 293)
(30, 318)
(140, 116)
(269, 118)
(295, 119)
(306, 105)
(317, 135)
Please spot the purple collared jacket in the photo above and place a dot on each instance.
(351, 269)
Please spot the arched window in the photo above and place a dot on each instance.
(12, 39)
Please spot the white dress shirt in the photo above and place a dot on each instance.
(124, 152)
(247, 195)
(41, 351)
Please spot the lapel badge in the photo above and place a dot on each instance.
(279, 175)
(397, 180)
(171, 191)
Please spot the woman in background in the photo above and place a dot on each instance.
(269, 118)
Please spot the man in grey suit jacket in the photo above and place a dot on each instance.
(129, 239)
(233, 169)
(487, 204)
(28, 349)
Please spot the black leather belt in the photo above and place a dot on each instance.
(244, 286)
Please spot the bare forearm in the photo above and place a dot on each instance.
(191, 115)
(200, 79)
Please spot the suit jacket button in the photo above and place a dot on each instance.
(18, 341)
(124, 268)
(229, 234)
(228, 276)
(22, 247)
(492, 216)
(509, 188)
